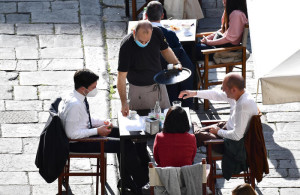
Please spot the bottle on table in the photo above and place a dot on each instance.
(157, 110)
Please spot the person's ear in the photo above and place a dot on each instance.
(162, 16)
(133, 32)
(146, 16)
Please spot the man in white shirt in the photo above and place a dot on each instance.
(74, 113)
(242, 108)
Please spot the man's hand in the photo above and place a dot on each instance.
(103, 130)
(108, 124)
(187, 94)
(214, 130)
(125, 109)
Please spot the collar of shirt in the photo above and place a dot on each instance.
(156, 24)
(78, 95)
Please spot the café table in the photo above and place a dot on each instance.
(136, 134)
(176, 23)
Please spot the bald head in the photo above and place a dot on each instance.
(144, 26)
(234, 80)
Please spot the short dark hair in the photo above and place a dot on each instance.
(176, 121)
(154, 11)
(84, 78)
(235, 80)
(244, 189)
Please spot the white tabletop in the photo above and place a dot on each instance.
(177, 23)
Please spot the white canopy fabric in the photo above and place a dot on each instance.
(282, 84)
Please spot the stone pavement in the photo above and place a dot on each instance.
(42, 43)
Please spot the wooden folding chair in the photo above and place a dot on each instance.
(155, 181)
(203, 67)
(100, 169)
(212, 157)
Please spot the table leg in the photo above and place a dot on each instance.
(122, 164)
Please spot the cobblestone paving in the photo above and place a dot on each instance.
(42, 43)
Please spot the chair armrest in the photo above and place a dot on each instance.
(199, 35)
(210, 122)
(222, 49)
(92, 139)
(214, 141)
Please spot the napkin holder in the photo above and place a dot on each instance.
(152, 126)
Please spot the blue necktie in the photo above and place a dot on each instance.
(88, 111)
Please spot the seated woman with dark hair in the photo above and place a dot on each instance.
(175, 146)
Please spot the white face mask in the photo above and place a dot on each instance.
(92, 93)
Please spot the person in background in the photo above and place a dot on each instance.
(244, 189)
(175, 146)
(154, 14)
(234, 18)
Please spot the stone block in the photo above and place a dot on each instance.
(45, 189)
(7, 28)
(6, 91)
(24, 105)
(52, 92)
(289, 164)
(18, 117)
(82, 164)
(2, 107)
(274, 173)
(67, 29)
(91, 30)
(279, 183)
(283, 154)
(114, 3)
(2, 18)
(17, 163)
(113, 48)
(30, 145)
(95, 59)
(25, 93)
(7, 54)
(114, 14)
(115, 107)
(27, 65)
(43, 117)
(294, 173)
(283, 145)
(10, 145)
(89, 7)
(288, 127)
(34, 29)
(47, 104)
(288, 191)
(8, 7)
(64, 5)
(100, 101)
(61, 53)
(213, 13)
(115, 29)
(22, 130)
(288, 107)
(17, 18)
(34, 6)
(220, 4)
(12, 41)
(8, 65)
(13, 178)
(61, 16)
(15, 189)
(49, 41)
(47, 78)
(283, 117)
(113, 66)
(60, 64)
(26, 53)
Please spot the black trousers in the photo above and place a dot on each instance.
(136, 156)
